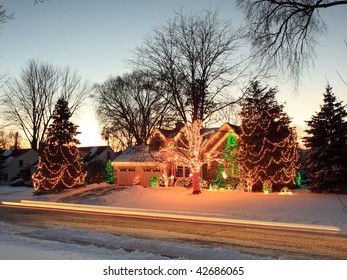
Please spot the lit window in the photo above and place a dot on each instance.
(179, 171)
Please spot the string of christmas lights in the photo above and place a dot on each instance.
(60, 165)
(268, 150)
(188, 153)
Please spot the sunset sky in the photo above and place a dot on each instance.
(95, 38)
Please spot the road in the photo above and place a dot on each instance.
(255, 241)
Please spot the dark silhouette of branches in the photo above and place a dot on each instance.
(130, 108)
(284, 33)
(28, 101)
(4, 16)
(197, 58)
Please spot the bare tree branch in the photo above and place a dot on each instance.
(28, 101)
(197, 58)
(284, 34)
(130, 108)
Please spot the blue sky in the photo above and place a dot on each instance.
(95, 37)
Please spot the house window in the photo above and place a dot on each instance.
(127, 169)
(4, 177)
(179, 171)
(152, 170)
(21, 163)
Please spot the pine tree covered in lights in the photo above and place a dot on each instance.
(326, 143)
(268, 151)
(60, 164)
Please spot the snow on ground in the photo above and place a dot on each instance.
(61, 243)
(66, 243)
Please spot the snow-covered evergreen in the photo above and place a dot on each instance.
(326, 142)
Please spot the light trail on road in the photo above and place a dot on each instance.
(170, 216)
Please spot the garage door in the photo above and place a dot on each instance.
(126, 176)
(147, 175)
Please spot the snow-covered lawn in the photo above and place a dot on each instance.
(57, 243)
(301, 207)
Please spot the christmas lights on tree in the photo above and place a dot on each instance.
(227, 172)
(109, 172)
(60, 164)
(268, 150)
(188, 152)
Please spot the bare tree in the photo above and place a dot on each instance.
(130, 108)
(28, 102)
(196, 57)
(284, 33)
(11, 140)
(4, 16)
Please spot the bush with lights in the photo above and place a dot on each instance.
(109, 172)
(60, 164)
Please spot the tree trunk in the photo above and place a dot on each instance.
(196, 182)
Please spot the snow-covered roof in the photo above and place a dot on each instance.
(138, 154)
(6, 153)
(92, 152)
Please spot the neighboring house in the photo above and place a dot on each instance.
(16, 164)
(139, 164)
(95, 159)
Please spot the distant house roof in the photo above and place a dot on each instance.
(6, 156)
(91, 153)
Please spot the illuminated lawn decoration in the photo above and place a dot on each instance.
(267, 187)
(136, 181)
(60, 164)
(268, 150)
(154, 181)
(285, 191)
(188, 152)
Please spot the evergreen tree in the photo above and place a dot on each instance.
(326, 160)
(268, 150)
(109, 172)
(60, 164)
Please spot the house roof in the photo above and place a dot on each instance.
(171, 133)
(138, 154)
(92, 152)
(6, 156)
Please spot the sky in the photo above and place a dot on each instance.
(96, 37)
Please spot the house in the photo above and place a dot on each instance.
(16, 164)
(94, 159)
(141, 164)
